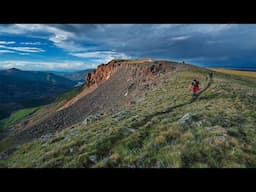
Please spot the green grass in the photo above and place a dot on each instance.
(21, 114)
(16, 116)
(3, 124)
(221, 134)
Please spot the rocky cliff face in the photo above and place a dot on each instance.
(102, 73)
(143, 70)
(117, 84)
(105, 71)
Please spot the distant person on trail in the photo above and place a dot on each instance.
(210, 75)
(195, 87)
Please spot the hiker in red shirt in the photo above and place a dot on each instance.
(195, 87)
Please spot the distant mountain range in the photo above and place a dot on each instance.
(77, 76)
(20, 89)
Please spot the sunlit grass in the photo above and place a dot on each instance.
(16, 116)
(236, 72)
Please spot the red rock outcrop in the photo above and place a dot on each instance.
(102, 73)
(111, 86)
(139, 72)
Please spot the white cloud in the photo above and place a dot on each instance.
(60, 38)
(11, 29)
(66, 45)
(23, 49)
(36, 65)
(101, 56)
(27, 49)
(32, 43)
(7, 42)
(6, 51)
(208, 28)
(23, 53)
(178, 38)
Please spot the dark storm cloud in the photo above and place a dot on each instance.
(200, 43)
(163, 41)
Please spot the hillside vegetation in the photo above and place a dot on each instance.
(16, 116)
(236, 72)
(18, 120)
(149, 134)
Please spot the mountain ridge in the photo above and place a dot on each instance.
(121, 78)
(143, 116)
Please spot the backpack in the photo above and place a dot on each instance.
(195, 82)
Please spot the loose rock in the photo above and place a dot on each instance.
(185, 118)
(46, 137)
(93, 158)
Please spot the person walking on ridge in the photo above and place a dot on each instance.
(195, 87)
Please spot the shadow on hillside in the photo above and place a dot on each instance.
(170, 109)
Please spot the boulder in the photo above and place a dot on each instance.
(93, 158)
(46, 137)
(92, 118)
(121, 115)
(185, 118)
(71, 150)
(131, 130)
(199, 123)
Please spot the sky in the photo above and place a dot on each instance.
(69, 47)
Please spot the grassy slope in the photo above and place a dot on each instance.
(16, 116)
(35, 113)
(22, 113)
(69, 94)
(222, 133)
(236, 72)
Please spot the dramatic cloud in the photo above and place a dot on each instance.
(203, 44)
(59, 37)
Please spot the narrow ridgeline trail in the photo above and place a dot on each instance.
(170, 109)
